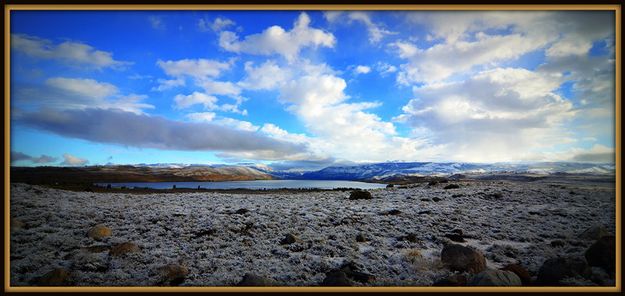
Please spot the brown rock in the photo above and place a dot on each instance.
(99, 232)
(556, 269)
(492, 277)
(124, 248)
(289, 239)
(520, 271)
(173, 274)
(16, 224)
(594, 233)
(336, 279)
(461, 258)
(360, 194)
(253, 280)
(56, 277)
(454, 280)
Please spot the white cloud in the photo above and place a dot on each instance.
(217, 25)
(72, 160)
(376, 31)
(165, 84)
(186, 101)
(275, 40)
(71, 52)
(360, 69)
(237, 124)
(195, 68)
(77, 93)
(220, 88)
(385, 68)
(156, 22)
(497, 115)
(266, 76)
(201, 116)
(83, 87)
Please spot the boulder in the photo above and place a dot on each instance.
(603, 254)
(55, 277)
(594, 232)
(253, 280)
(556, 269)
(124, 248)
(99, 232)
(520, 271)
(360, 194)
(172, 274)
(452, 186)
(492, 277)
(336, 278)
(353, 272)
(461, 258)
(241, 211)
(361, 238)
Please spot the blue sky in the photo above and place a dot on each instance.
(207, 87)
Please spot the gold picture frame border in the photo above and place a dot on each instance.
(369, 7)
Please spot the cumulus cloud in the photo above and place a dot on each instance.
(71, 52)
(136, 130)
(497, 115)
(17, 156)
(217, 25)
(182, 101)
(376, 31)
(77, 93)
(201, 116)
(195, 68)
(71, 160)
(360, 69)
(275, 40)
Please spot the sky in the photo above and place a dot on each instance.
(311, 88)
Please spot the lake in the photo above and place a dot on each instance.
(258, 184)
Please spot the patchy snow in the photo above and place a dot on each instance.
(202, 232)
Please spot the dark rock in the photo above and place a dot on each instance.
(390, 186)
(252, 280)
(361, 238)
(99, 232)
(425, 199)
(557, 243)
(603, 254)
(594, 233)
(360, 194)
(16, 224)
(56, 277)
(491, 277)
(461, 258)
(336, 278)
(97, 248)
(352, 271)
(392, 212)
(206, 232)
(411, 237)
(454, 237)
(457, 231)
(452, 186)
(172, 274)
(520, 271)
(454, 280)
(124, 248)
(289, 239)
(436, 199)
(241, 211)
(556, 269)
(432, 183)
(425, 212)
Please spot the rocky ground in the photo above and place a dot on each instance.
(542, 233)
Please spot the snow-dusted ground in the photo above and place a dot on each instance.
(519, 227)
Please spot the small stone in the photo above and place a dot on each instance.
(124, 248)
(56, 277)
(454, 280)
(557, 243)
(252, 280)
(425, 212)
(520, 271)
(452, 186)
(99, 232)
(289, 239)
(361, 238)
(16, 224)
(411, 237)
(392, 212)
(454, 237)
(491, 277)
(603, 254)
(461, 258)
(436, 199)
(241, 211)
(360, 194)
(173, 274)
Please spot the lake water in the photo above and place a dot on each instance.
(259, 184)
